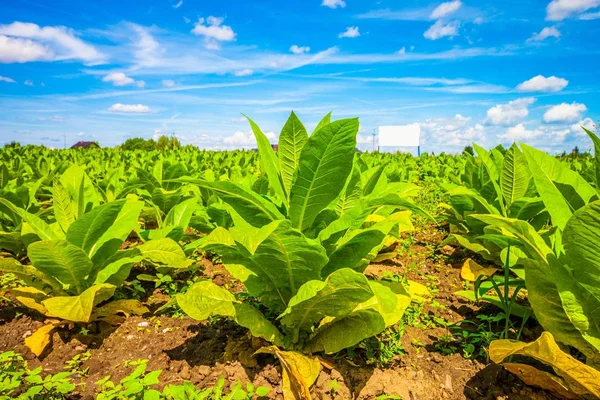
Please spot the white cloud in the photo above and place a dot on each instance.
(129, 108)
(350, 32)
(28, 82)
(565, 112)
(15, 50)
(402, 50)
(518, 133)
(558, 10)
(299, 49)
(452, 132)
(118, 79)
(24, 42)
(542, 84)
(186, 20)
(243, 72)
(179, 3)
(247, 139)
(54, 118)
(479, 20)
(545, 33)
(168, 83)
(446, 9)
(81, 134)
(333, 3)
(441, 29)
(587, 123)
(590, 16)
(509, 113)
(7, 79)
(214, 32)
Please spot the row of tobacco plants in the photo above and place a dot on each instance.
(298, 227)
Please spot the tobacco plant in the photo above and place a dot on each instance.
(302, 250)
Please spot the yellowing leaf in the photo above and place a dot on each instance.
(126, 307)
(299, 372)
(40, 339)
(418, 292)
(471, 270)
(534, 377)
(30, 297)
(384, 257)
(576, 374)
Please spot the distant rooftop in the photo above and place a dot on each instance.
(84, 145)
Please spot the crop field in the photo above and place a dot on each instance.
(310, 271)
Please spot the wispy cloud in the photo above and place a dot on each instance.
(350, 32)
(25, 42)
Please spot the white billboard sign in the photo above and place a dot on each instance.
(400, 136)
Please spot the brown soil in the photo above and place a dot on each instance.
(185, 349)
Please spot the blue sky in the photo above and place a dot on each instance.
(485, 71)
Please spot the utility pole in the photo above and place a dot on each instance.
(374, 134)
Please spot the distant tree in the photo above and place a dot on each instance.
(575, 152)
(469, 150)
(13, 144)
(165, 142)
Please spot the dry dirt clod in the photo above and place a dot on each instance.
(185, 373)
(448, 383)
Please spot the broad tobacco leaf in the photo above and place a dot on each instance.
(204, 299)
(63, 261)
(325, 164)
(580, 377)
(277, 268)
(336, 297)
(102, 231)
(299, 372)
(78, 308)
(562, 190)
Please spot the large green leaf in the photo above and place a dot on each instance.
(541, 280)
(395, 202)
(65, 209)
(336, 296)
(515, 176)
(40, 228)
(326, 120)
(280, 264)
(325, 164)
(63, 261)
(80, 188)
(78, 308)
(102, 231)
(292, 139)
(581, 241)
(117, 268)
(580, 282)
(563, 191)
(596, 141)
(270, 162)
(164, 252)
(492, 172)
(355, 249)
(205, 298)
(254, 209)
(351, 195)
(346, 332)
